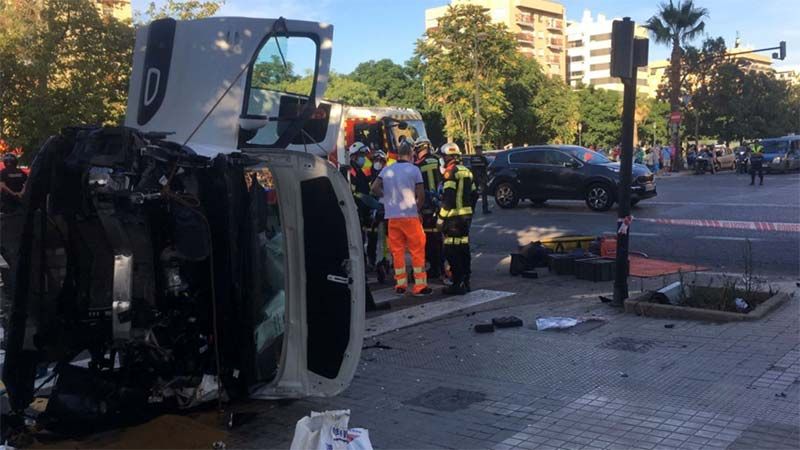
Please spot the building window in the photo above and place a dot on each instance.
(576, 58)
(600, 37)
(573, 44)
(575, 74)
(600, 52)
(604, 66)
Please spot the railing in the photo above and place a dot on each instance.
(525, 19)
(525, 37)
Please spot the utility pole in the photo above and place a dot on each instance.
(627, 55)
(477, 92)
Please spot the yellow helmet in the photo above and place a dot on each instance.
(451, 149)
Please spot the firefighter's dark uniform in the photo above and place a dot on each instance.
(455, 216)
(478, 165)
(431, 178)
(757, 167)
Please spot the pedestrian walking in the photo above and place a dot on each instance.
(402, 190)
(480, 168)
(666, 158)
(757, 167)
(455, 217)
(429, 165)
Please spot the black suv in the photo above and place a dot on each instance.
(570, 172)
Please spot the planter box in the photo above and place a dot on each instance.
(564, 263)
(640, 306)
(595, 269)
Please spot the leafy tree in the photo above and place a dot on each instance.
(181, 9)
(467, 60)
(341, 88)
(601, 116)
(273, 74)
(63, 64)
(676, 25)
(653, 125)
(542, 109)
(396, 85)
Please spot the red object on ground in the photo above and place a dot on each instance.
(608, 247)
(649, 267)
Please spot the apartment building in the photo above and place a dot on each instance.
(757, 62)
(589, 54)
(792, 75)
(538, 25)
(118, 9)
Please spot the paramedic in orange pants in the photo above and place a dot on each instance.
(401, 188)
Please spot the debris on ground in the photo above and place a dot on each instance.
(546, 323)
(669, 325)
(781, 395)
(623, 375)
(672, 294)
(484, 327)
(741, 305)
(377, 344)
(507, 322)
(605, 299)
(329, 430)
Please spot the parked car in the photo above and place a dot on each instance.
(544, 172)
(781, 154)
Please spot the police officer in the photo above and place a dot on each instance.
(480, 166)
(431, 178)
(757, 165)
(12, 185)
(455, 217)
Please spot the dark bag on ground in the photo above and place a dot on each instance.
(529, 257)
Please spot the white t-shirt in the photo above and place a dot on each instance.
(399, 193)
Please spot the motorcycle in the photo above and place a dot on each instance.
(702, 164)
(742, 161)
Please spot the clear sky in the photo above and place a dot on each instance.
(376, 29)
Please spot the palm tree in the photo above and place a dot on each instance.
(676, 24)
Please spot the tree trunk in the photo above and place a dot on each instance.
(675, 101)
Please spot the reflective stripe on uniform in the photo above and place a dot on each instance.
(456, 240)
(428, 169)
(465, 211)
(450, 184)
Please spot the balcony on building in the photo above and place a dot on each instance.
(525, 19)
(556, 44)
(555, 25)
(525, 38)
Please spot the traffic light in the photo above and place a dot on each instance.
(781, 53)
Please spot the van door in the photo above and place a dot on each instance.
(321, 286)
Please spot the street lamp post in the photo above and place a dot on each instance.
(580, 129)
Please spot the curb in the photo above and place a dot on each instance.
(640, 306)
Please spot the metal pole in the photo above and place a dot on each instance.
(625, 175)
(477, 93)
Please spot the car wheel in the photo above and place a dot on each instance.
(599, 197)
(538, 202)
(505, 196)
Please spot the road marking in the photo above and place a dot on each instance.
(637, 233)
(407, 317)
(751, 205)
(787, 227)
(728, 238)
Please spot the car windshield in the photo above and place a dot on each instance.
(587, 156)
(775, 146)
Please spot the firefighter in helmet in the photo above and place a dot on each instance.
(455, 216)
(431, 178)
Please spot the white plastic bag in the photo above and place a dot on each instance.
(328, 431)
(545, 323)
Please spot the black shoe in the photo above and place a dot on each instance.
(467, 286)
(423, 293)
(453, 290)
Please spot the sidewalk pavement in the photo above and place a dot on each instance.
(626, 382)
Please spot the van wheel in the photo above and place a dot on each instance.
(599, 197)
(505, 196)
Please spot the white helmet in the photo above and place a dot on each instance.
(357, 147)
(422, 141)
(450, 149)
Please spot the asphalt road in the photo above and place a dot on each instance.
(725, 196)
